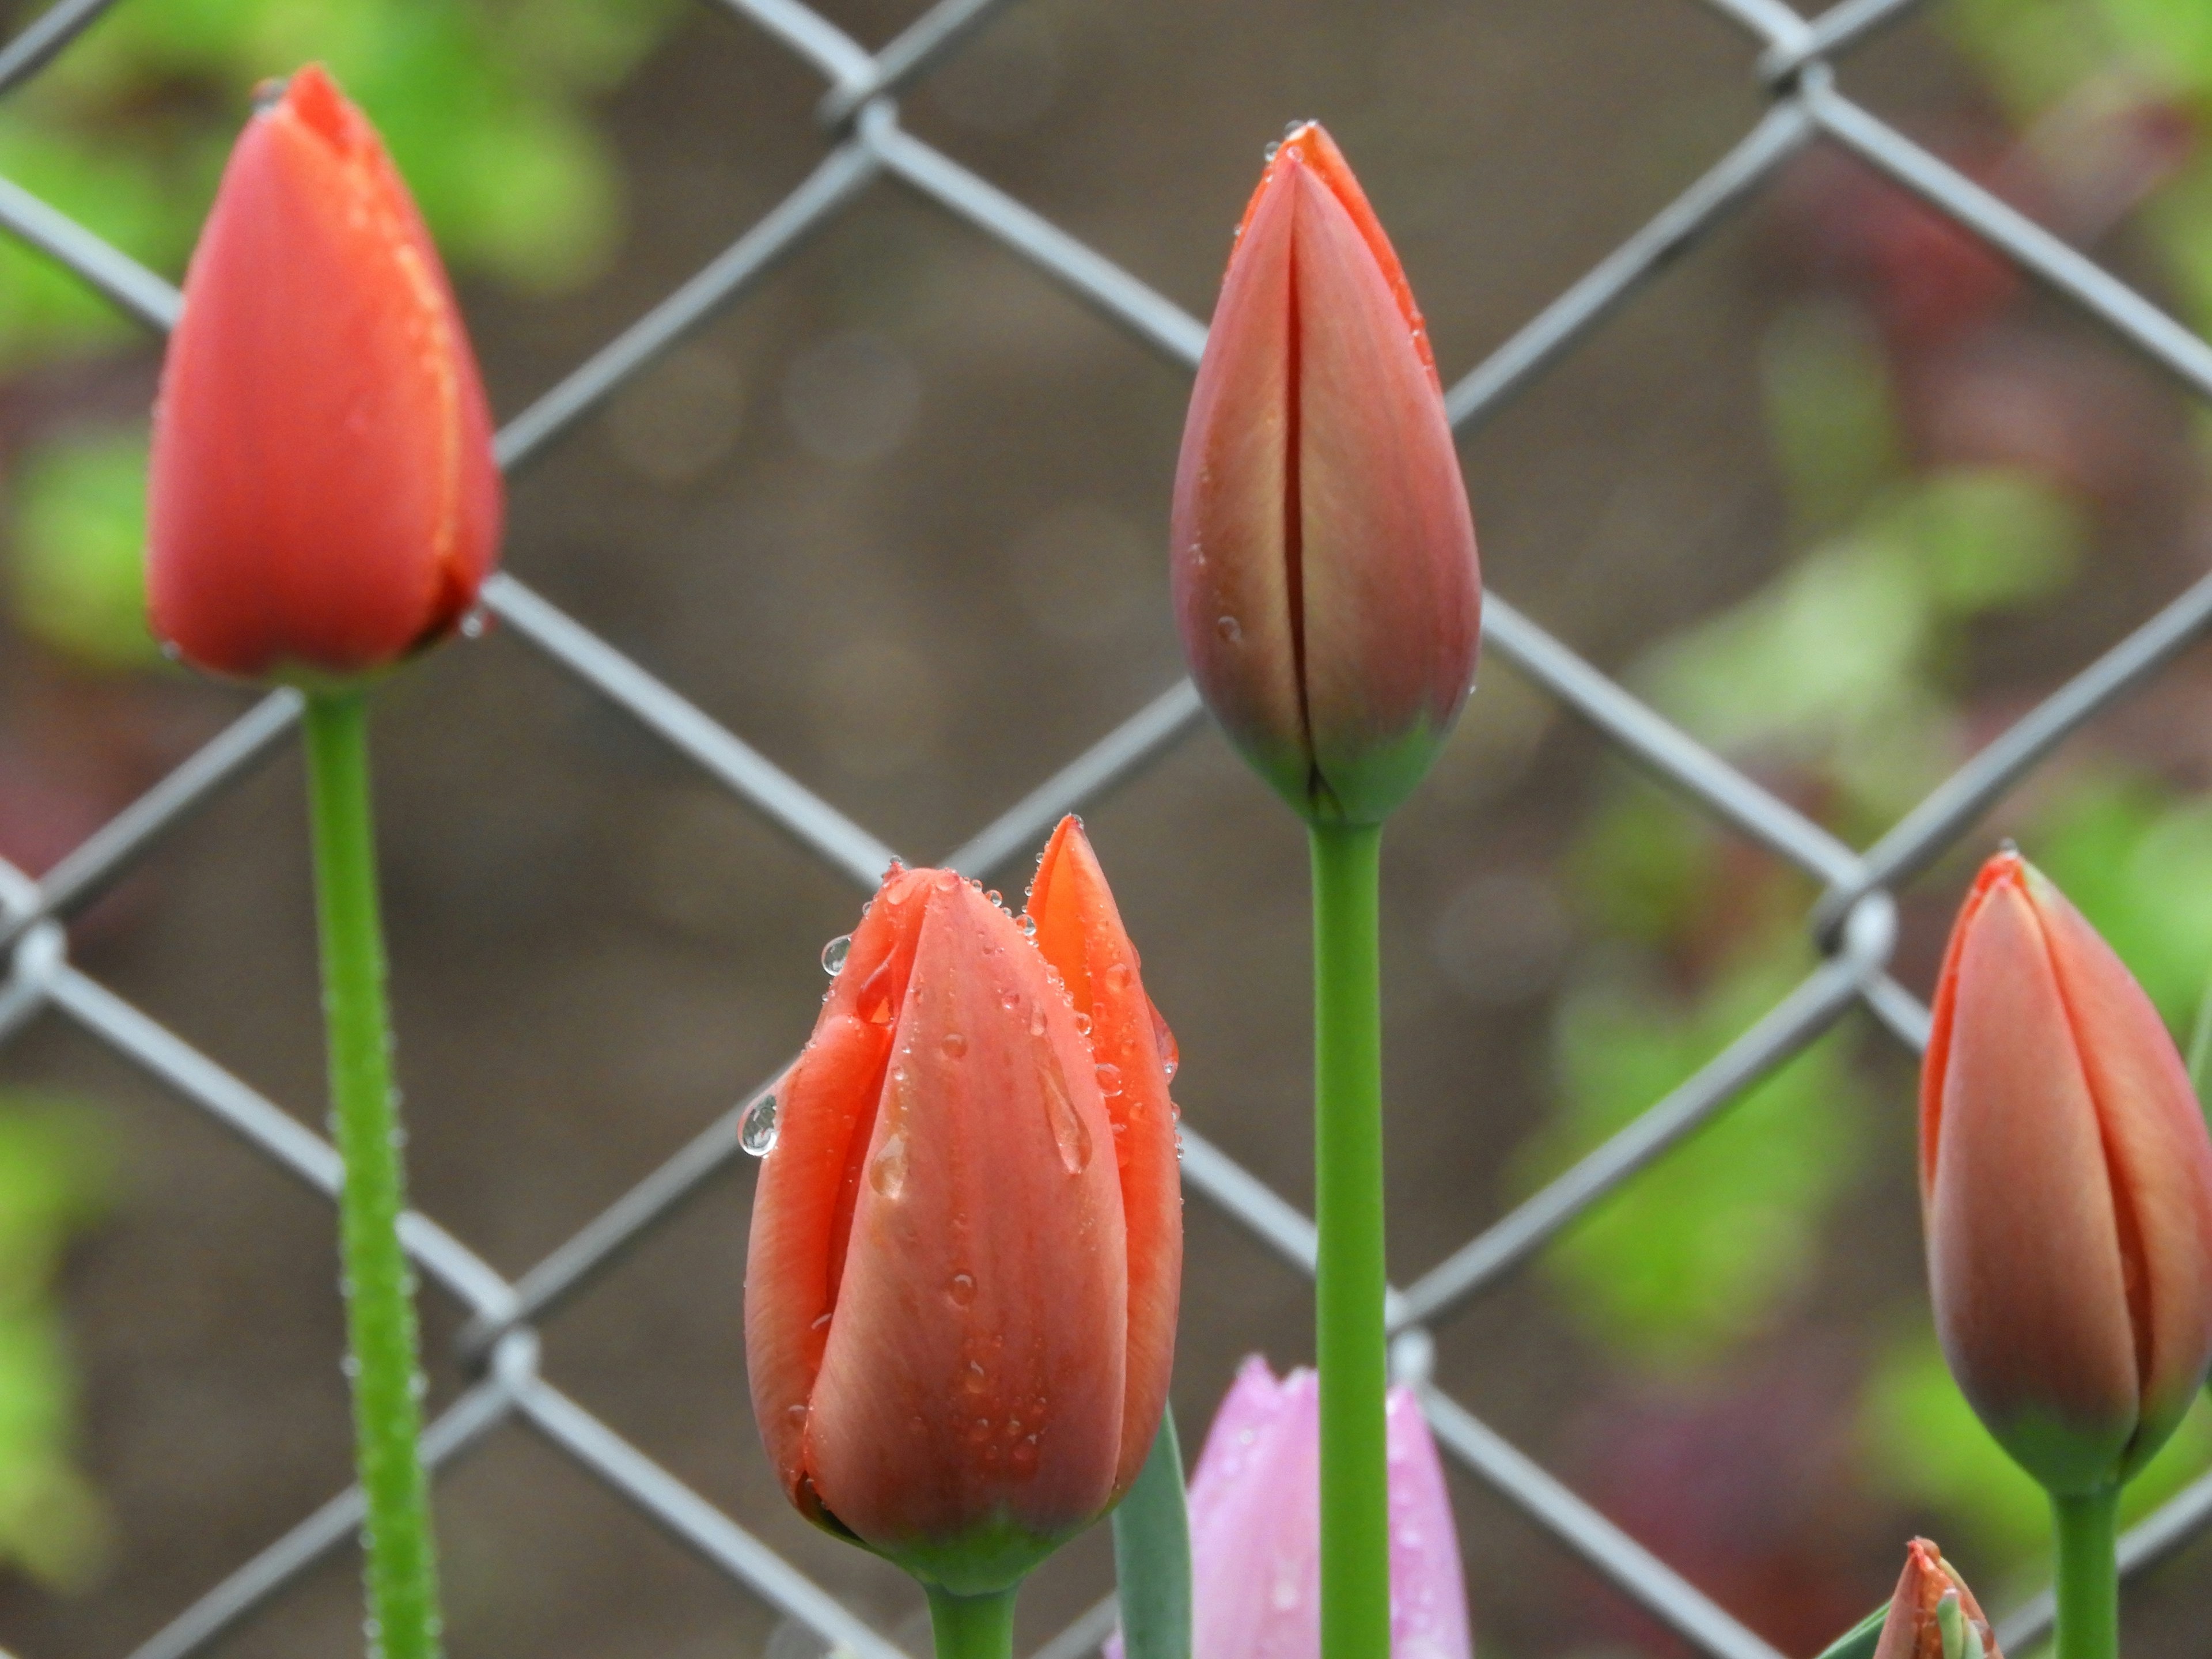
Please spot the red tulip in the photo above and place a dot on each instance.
(324, 498)
(1324, 557)
(2066, 1180)
(1921, 1627)
(960, 1297)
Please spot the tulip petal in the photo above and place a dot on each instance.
(803, 1205)
(2159, 1160)
(1234, 592)
(974, 1366)
(1428, 1590)
(2023, 1243)
(1079, 933)
(1386, 552)
(323, 495)
(1255, 1521)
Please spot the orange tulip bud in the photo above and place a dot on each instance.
(1323, 559)
(967, 1243)
(2066, 1182)
(324, 498)
(1933, 1615)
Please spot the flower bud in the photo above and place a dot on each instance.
(324, 498)
(1323, 559)
(1933, 1615)
(2066, 1184)
(960, 1293)
(1255, 1528)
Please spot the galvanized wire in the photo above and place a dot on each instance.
(1854, 923)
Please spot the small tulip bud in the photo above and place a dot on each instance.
(324, 498)
(967, 1243)
(1933, 1615)
(1324, 557)
(2066, 1182)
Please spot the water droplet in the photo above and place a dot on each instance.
(1036, 1020)
(796, 1415)
(1119, 975)
(1267, 154)
(834, 953)
(474, 624)
(1229, 628)
(996, 897)
(1024, 1456)
(1069, 1132)
(1110, 1079)
(760, 1125)
(351, 1365)
(887, 1170)
(1083, 1022)
(980, 1430)
(1293, 129)
(1028, 925)
(963, 1289)
(975, 1382)
(954, 1045)
(1009, 998)
(821, 1322)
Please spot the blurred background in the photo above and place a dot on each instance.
(1839, 494)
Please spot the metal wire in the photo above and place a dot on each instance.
(1853, 924)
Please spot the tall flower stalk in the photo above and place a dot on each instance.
(324, 503)
(1328, 599)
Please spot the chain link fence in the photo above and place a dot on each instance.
(1854, 923)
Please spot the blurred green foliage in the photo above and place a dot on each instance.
(1839, 681)
(486, 105)
(54, 1182)
(1692, 1256)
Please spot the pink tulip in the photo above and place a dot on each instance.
(1255, 1528)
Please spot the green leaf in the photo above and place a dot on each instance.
(1152, 1554)
(1858, 1642)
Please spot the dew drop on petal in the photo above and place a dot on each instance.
(1036, 1020)
(962, 1289)
(954, 1045)
(1027, 925)
(834, 953)
(1070, 1134)
(1119, 975)
(887, 1170)
(1110, 1079)
(996, 897)
(1083, 1022)
(759, 1124)
(1230, 630)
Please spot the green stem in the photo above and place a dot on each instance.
(2089, 1575)
(1355, 1503)
(972, 1626)
(401, 1567)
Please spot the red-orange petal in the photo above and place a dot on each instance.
(1079, 932)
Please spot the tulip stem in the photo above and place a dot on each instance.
(1355, 1506)
(401, 1568)
(972, 1626)
(2088, 1574)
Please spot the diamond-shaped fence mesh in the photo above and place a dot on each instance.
(1855, 923)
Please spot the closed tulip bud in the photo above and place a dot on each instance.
(2066, 1181)
(967, 1241)
(323, 499)
(1255, 1528)
(1933, 1615)
(1324, 557)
